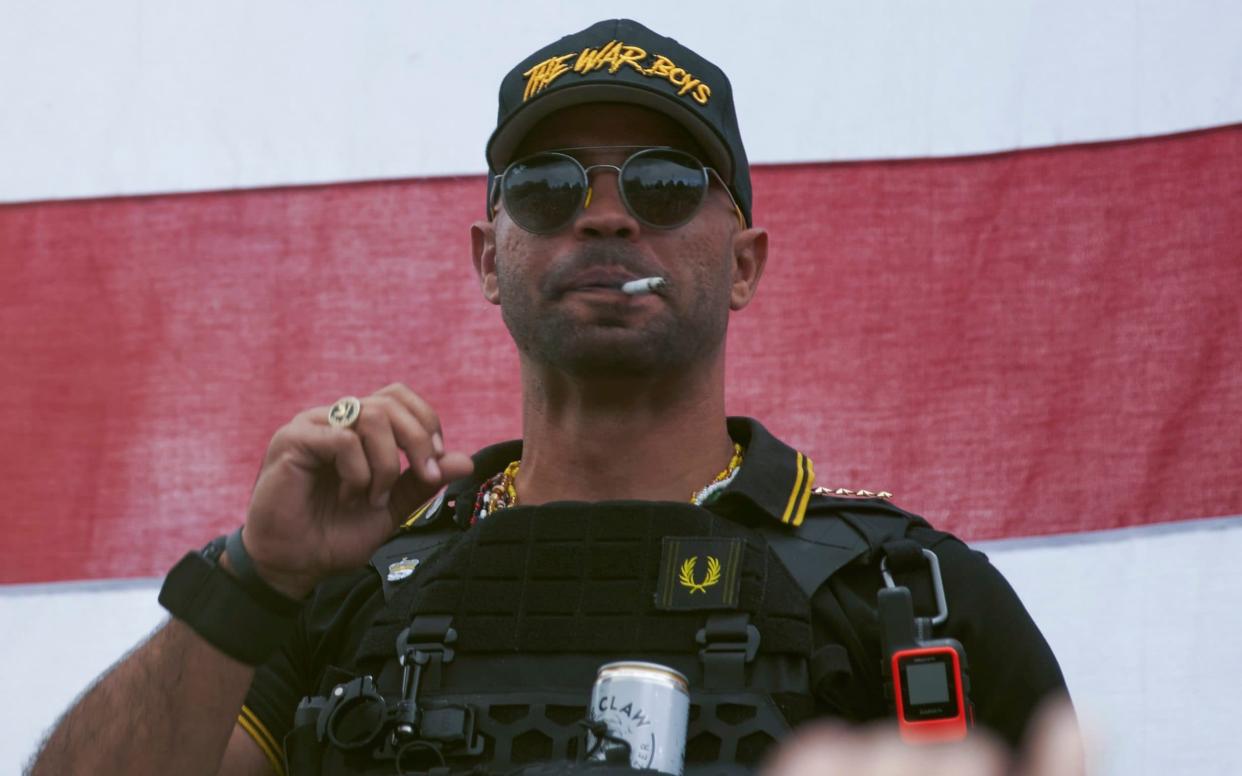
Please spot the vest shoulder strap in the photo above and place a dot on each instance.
(834, 533)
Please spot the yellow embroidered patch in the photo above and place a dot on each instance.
(614, 55)
(686, 577)
(685, 585)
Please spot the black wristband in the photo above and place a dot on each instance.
(251, 582)
(219, 608)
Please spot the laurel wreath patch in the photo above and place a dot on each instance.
(686, 577)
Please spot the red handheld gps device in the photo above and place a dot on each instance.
(926, 678)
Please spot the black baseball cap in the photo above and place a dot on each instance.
(620, 60)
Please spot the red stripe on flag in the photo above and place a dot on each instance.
(1016, 344)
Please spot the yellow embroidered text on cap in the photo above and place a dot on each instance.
(614, 55)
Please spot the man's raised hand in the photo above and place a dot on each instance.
(320, 505)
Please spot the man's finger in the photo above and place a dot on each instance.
(416, 441)
(456, 465)
(420, 409)
(375, 429)
(310, 447)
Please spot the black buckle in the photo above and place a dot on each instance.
(728, 632)
(421, 649)
(441, 731)
(728, 643)
(449, 725)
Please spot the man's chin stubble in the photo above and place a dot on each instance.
(598, 352)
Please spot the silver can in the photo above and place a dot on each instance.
(647, 705)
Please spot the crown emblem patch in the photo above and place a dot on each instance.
(402, 569)
(699, 572)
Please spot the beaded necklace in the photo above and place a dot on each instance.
(500, 491)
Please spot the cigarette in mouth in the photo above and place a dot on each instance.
(643, 286)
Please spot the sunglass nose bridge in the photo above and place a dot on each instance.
(590, 189)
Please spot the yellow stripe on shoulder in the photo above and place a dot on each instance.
(797, 488)
(249, 714)
(806, 494)
(255, 728)
(413, 518)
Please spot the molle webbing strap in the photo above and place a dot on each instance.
(904, 555)
(909, 569)
(580, 578)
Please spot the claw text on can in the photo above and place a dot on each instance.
(647, 706)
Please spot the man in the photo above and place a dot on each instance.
(633, 521)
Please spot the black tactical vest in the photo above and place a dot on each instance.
(483, 661)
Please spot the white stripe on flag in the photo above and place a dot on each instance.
(1145, 624)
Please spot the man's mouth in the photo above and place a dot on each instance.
(597, 281)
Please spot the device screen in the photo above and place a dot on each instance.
(928, 686)
(927, 683)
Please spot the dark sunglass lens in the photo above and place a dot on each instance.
(664, 188)
(542, 193)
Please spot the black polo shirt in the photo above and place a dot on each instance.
(1012, 667)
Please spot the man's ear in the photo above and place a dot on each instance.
(483, 245)
(750, 254)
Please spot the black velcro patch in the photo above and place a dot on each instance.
(699, 572)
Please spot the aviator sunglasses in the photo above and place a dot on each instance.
(661, 187)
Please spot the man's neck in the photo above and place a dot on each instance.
(655, 439)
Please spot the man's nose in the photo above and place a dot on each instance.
(604, 214)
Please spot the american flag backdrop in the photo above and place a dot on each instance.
(1004, 283)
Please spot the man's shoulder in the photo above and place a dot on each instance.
(871, 515)
(343, 606)
(336, 597)
(847, 526)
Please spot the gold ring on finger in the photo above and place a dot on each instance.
(344, 414)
